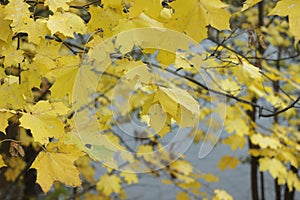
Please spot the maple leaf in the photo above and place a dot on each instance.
(221, 195)
(228, 161)
(273, 165)
(2, 163)
(64, 79)
(109, 184)
(5, 31)
(43, 120)
(265, 141)
(18, 12)
(235, 141)
(182, 167)
(57, 164)
(66, 23)
(3, 120)
(179, 104)
(182, 196)
(56, 4)
(291, 9)
(249, 3)
(129, 177)
(201, 14)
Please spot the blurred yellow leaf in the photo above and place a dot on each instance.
(221, 195)
(109, 184)
(130, 178)
(182, 196)
(2, 163)
(15, 166)
(228, 161)
(249, 3)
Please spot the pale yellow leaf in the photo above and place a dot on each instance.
(66, 23)
(56, 4)
(291, 9)
(57, 164)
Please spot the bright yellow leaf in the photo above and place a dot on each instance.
(2, 163)
(66, 23)
(273, 165)
(265, 141)
(5, 31)
(56, 4)
(291, 9)
(43, 120)
(57, 164)
(18, 12)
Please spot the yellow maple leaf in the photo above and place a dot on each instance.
(211, 178)
(36, 29)
(179, 104)
(5, 31)
(66, 23)
(43, 120)
(228, 161)
(221, 195)
(64, 81)
(201, 14)
(56, 4)
(2, 163)
(3, 120)
(18, 12)
(235, 141)
(182, 196)
(11, 96)
(57, 164)
(182, 167)
(291, 9)
(273, 165)
(87, 171)
(265, 141)
(109, 184)
(129, 177)
(250, 3)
